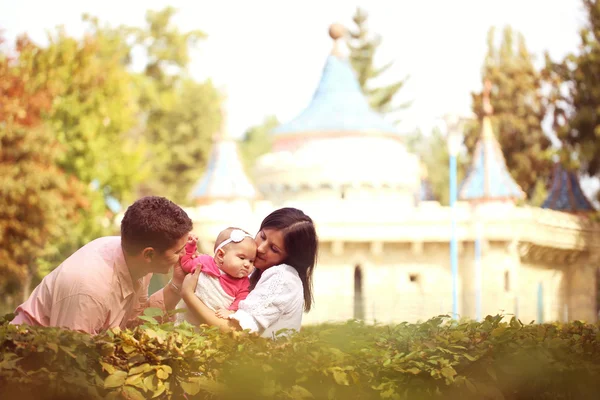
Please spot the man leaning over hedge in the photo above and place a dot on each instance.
(105, 283)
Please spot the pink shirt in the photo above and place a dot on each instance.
(239, 288)
(91, 291)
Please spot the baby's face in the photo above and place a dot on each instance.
(238, 260)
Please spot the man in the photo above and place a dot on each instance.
(105, 283)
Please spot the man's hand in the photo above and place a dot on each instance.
(223, 313)
(178, 274)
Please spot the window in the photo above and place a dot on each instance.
(414, 278)
(506, 281)
(359, 308)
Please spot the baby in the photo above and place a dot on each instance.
(223, 281)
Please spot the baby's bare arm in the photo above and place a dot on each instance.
(223, 313)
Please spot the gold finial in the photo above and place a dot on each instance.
(336, 32)
(487, 105)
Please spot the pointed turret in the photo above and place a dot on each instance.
(224, 178)
(338, 105)
(566, 193)
(488, 178)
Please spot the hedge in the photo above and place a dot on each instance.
(498, 358)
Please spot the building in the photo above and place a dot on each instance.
(384, 244)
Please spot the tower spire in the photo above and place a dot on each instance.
(336, 31)
(224, 178)
(488, 178)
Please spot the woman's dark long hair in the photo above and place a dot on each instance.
(301, 244)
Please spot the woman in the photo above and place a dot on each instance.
(281, 284)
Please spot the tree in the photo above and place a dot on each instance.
(95, 109)
(363, 47)
(192, 122)
(432, 150)
(93, 115)
(574, 99)
(38, 200)
(257, 141)
(165, 90)
(519, 110)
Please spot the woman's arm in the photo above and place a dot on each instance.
(199, 309)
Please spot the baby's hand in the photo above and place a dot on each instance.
(192, 238)
(223, 313)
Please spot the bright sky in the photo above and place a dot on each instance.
(268, 54)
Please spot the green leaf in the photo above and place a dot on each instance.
(498, 331)
(161, 374)
(131, 393)
(128, 349)
(340, 377)
(150, 320)
(149, 383)
(190, 388)
(140, 369)
(68, 351)
(153, 312)
(166, 368)
(115, 379)
(134, 379)
(158, 391)
(107, 367)
(448, 372)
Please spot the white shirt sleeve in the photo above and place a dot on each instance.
(271, 298)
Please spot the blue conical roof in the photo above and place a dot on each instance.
(337, 105)
(488, 178)
(566, 193)
(224, 178)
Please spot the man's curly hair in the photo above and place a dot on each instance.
(155, 222)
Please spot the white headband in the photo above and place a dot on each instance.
(237, 235)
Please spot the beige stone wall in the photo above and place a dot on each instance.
(583, 291)
(508, 286)
(553, 281)
(388, 292)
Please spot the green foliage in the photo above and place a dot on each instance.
(257, 141)
(95, 109)
(434, 359)
(184, 152)
(181, 116)
(519, 109)
(575, 97)
(363, 47)
(93, 116)
(37, 198)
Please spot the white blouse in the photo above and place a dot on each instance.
(277, 302)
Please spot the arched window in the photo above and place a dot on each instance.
(359, 308)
